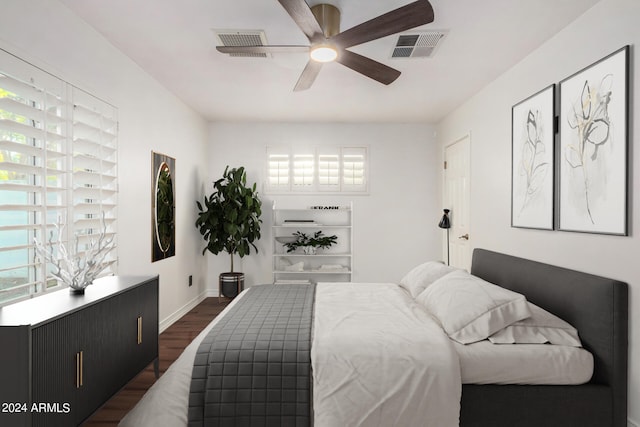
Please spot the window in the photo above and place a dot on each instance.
(278, 168)
(329, 169)
(303, 171)
(319, 170)
(57, 163)
(353, 169)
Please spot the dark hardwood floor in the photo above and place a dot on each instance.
(172, 342)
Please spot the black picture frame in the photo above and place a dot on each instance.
(532, 161)
(593, 152)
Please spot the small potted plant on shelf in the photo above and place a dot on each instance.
(310, 244)
(229, 220)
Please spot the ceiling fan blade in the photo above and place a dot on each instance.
(368, 67)
(404, 18)
(262, 49)
(301, 14)
(308, 76)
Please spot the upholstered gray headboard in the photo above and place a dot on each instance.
(596, 306)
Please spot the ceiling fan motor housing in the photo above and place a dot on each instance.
(328, 16)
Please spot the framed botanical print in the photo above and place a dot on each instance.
(532, 171)
(593, 155)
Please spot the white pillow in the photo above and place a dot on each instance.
(423, 275)
(471, 309)
(542, 327)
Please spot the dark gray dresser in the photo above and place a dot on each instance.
(62, 356)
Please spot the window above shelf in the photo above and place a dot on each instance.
(319, 170)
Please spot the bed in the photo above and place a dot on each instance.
(406, 388)
(598, 308)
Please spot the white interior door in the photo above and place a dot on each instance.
(456, 199)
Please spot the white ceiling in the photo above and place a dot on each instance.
(173, 41)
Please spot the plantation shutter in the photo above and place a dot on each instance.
(303, 171)
(33, 179)
(354, 161)
(322, 169)
(94, 170)
(278, 168)
(329, 169)
(42, 171)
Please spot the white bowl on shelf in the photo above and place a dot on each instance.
(286, 239)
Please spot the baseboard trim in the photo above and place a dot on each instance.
(173, 317)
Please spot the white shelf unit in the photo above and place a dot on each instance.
(334, 264)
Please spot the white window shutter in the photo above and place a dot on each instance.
(323, 169)
(33, 179)
(303, 171)
(354, 169)
(328, 169)
(37, 176)
(94, 172)
(278, 169)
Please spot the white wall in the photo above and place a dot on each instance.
(47, 34)
(603, 29)
(395, 225)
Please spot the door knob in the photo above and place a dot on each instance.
(464, 237)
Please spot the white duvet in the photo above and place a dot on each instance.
(380, 360)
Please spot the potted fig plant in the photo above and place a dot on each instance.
(229, 221)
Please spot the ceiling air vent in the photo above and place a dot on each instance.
(242, 38)
(418, 45)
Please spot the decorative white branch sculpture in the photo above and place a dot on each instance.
(77, 270)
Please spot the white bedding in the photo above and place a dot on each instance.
(380, 360)
(487, 363)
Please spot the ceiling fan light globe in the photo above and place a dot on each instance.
(323, 53)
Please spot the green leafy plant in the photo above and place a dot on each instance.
(164, 209)
(318, 240)
(230, 218)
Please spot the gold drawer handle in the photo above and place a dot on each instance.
(79, 369)
(140, 330)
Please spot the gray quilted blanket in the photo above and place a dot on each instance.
(254, 367)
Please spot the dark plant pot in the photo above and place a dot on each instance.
(231, 284)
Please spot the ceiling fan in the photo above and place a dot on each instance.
(321, 25)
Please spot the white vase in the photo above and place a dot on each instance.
(309, 250)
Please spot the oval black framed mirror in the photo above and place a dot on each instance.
(163, 207)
